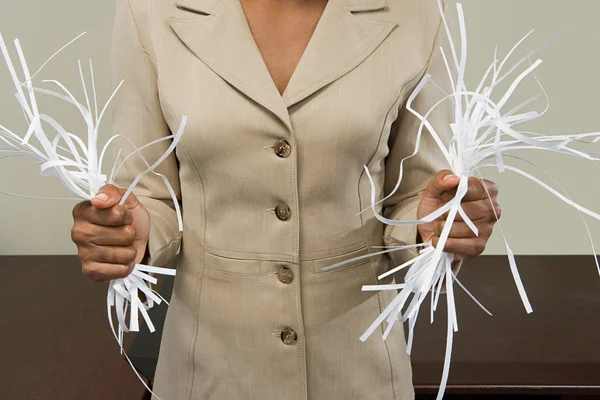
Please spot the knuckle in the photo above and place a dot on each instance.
(498, 211)
(92, 271)
(492, 189)
(117, 214)
(129, 233)
(78, 209)
(74, 234)
(78, 234)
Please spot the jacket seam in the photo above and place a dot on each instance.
(151, 58)
(392, 107)
(380, 142)
(194, 338)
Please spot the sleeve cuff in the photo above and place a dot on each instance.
(164, 239)
(160, 253)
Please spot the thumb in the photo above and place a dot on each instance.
(444, 181)
(107, 196)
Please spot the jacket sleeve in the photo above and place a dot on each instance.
(422, 167)
(138, 116)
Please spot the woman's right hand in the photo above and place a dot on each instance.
(110, 238)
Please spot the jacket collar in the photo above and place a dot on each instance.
(218, 34)
(208, 6)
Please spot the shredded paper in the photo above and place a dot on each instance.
(483, 134)
(79, 165)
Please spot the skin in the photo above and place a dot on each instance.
(484, 211)
(111, 238)
(281, 31)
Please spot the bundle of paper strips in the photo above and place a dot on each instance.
(482, 134)
(79, 166)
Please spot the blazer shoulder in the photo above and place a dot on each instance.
(422, 15)
(147, 16)
(420, 20)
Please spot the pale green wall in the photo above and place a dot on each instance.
(534, 222)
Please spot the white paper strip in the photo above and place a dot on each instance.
(482, 134)
(78, 164)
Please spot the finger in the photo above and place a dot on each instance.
(480, 210)
(475, 191)
(131, 201)
(464, 248)
(443, 182)
(114, 216)
(448, 195)
(105, 236)
(107, 196)
(104, 272)
(110, 195)
(478, 190)
(462, 230)
(123, 255)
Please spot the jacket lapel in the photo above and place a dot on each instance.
(218, 34)
(341, 41)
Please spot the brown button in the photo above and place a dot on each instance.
(282, 148)
(285, 275)
(283, 211)
(289, 336)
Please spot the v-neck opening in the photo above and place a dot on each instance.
(298, 64)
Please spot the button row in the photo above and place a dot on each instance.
(283, 149)
(285, 274)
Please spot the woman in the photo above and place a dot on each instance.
(286, 102)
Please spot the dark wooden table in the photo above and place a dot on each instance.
(56, 343)
(554, 350)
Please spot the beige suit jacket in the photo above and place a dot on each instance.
(270, 188)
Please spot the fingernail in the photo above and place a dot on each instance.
(449, 176)
(101, 196)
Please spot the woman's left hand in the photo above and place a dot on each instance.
(476, 204)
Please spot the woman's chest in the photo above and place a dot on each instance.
(348, 83)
